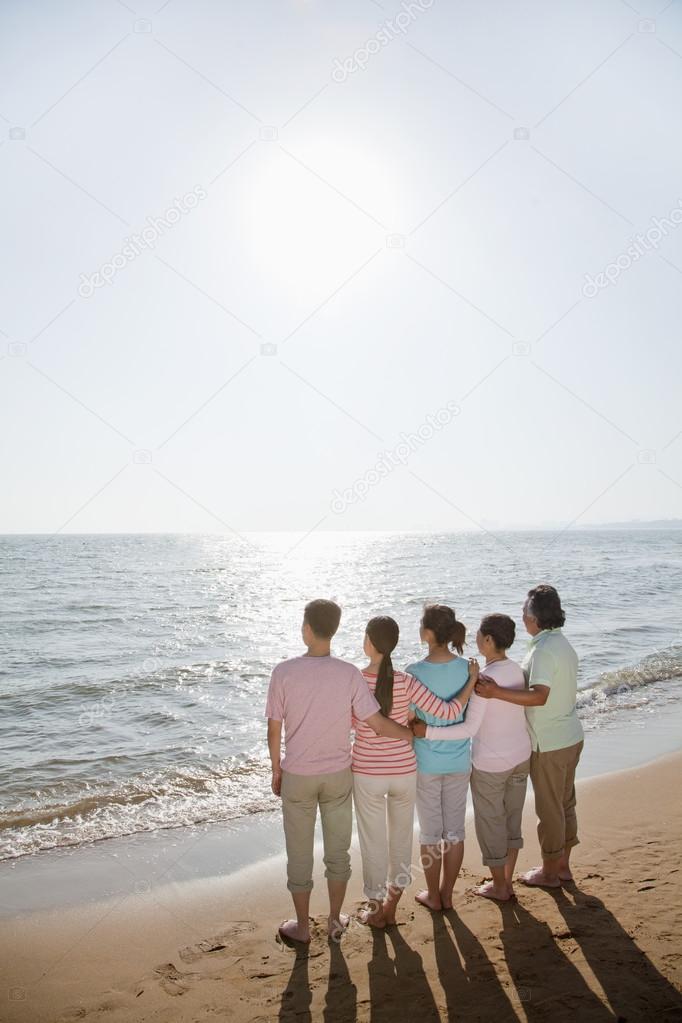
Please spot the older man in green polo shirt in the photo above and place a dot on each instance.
(551, 669)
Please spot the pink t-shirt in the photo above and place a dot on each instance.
(317, 698)
(498, 730)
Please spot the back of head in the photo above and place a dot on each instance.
(383, 633)
(500, 628)
(544, 604)
(442, 622)
(323, 617)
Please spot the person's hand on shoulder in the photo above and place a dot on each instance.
(486, 687)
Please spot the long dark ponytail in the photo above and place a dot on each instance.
(442, 621)
(383, 633)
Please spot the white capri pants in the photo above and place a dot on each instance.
(442, 806)
(384, 811)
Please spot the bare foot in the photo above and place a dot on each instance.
(537, 878)
(488, 890)
(292, 931)
(565, 875)
(337, 928)
(446, 899)
(424, 899)
(373, 917)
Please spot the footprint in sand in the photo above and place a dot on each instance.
(228, 941)
(171, 980)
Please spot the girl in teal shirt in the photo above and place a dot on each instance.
(443, 767)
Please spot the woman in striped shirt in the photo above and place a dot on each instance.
(384, 773)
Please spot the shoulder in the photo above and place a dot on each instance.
(340, 665)
(505, 672)
(413, 669)
(285, 666)
(345, 669)
(556, 644)
(460, 665)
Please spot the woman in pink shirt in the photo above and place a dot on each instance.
(500, 755)
(384, 772)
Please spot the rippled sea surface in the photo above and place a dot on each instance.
(134, 668)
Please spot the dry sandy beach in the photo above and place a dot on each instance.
(608, 947)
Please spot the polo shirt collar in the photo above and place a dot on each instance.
(534, 640)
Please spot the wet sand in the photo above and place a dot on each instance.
(607, 947)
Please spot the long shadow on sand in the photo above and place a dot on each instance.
(634, 987)
(341, 1001)
(398, 987)
(297, 995)
(474, 989)
(547, 983)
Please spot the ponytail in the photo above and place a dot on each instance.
(383, 691)
(383, 633)
(458, 637)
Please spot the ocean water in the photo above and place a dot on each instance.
(134, 668)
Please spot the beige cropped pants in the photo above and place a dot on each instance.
(553, 777)
(384, 811)
(302, 794)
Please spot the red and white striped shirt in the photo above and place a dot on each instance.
(374, 754)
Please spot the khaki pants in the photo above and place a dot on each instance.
(384, 811)
(442, 807)
(301, 796)
(553, 777)
(498, 808)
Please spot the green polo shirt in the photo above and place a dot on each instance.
(551, 661)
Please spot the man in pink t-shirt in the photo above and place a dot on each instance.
(315, 697)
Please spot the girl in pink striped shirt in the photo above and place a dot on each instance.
(384, 773)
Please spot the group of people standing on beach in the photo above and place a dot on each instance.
(422, 736)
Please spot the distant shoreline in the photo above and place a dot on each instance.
(654, 525)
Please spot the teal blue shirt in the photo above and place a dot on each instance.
(445, 680)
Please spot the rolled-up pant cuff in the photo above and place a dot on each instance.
(430, 840)
(375, 894)
(306, 886)
(495, 861)
(338, 875)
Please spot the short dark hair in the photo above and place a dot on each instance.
(323, 617)
(544, 605)
(501, 630)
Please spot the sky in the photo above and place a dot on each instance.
(311, 266)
